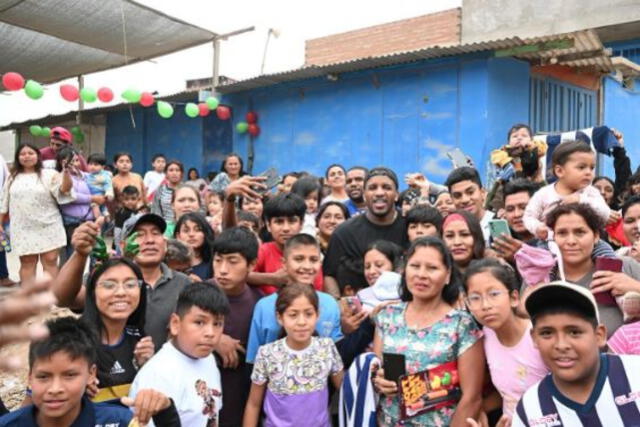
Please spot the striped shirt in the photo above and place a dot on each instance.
(626, 340)
(614, 400)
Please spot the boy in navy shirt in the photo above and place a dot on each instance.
(60, 367)
(585, 387)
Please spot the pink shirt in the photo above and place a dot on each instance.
(513, 369)
(626, 340)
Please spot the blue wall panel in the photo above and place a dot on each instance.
(120, 136)
(621, 108)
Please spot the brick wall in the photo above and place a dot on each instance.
(442, 28)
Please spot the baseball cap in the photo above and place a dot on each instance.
(382, 171)
(61, 134)
(563, 294)
(132, 223)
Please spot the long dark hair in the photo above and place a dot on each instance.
(474, 228)
(451, 290)
(92, 316)
(17, 167)
(206, 251)
(224, 163)
(63, 153)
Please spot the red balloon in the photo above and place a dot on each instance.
(223, 112)
(105, 94)
(69, 93)
(254, 129)
(12, 81)
(252, 117)
(203, 109)
(146, 99)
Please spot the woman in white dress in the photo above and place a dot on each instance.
(30, 197)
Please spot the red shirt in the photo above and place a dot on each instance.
(270, 261)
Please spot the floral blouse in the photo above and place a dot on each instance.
(423, 348)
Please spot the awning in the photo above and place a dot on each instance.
(50, 40)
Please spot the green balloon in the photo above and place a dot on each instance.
(191, 110)
(35, 130)
(46, 132)
(79, 137)
(131, 95)
(165, 110)
(76, 130)
(242, 127)
(33, 89)
(88, 94)
(212, 102)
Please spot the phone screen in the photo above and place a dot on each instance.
(394, 366)
(498, 228)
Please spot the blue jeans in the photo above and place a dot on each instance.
(4, 272)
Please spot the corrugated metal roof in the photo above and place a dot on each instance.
(583, 42)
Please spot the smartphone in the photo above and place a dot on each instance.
(459, 159)
(499, 228)
(394, 366)
(272, 179)
(604, 263)
(354, 304)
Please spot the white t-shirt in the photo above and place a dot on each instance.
(152, 180)
(484, 224)
(193, 384)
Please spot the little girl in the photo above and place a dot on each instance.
(124, 163)
(492, 297)
(308, 188)
(215, 201)
(382, 261)
(573, 164)
(293, 371)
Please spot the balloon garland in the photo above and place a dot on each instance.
(13, 81)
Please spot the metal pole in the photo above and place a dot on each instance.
(80, 101)
(264, 54)
(216, 64)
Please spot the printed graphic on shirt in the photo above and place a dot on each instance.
(208, 397)
(116, 368)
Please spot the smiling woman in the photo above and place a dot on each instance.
(115, 309)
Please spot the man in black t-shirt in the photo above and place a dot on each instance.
(380, 222)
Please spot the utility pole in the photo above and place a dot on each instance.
(216, 53)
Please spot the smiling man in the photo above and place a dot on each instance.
(379, 222)
(163, 284)
(467, 193)
(355, 190)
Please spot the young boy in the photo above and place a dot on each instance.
(284, 216)
(178, 256)
(585, 387)
(423, 221)
(60, 367)
(234, 255)
(99, 182)
(130, 200)
(154, 177)
(184, 368)
(573, 164)
(302, 262)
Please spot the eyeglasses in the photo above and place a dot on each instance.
(492, 297)
(129, 285)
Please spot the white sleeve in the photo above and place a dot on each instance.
(591, 196)
(150, 377)
(533, 214)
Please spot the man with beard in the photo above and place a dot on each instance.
(163, 284)
(380, 221)
(355, 190)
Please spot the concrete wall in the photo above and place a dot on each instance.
(496, 19)
(405, 117)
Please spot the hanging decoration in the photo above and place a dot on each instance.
(223, 112)
(212, 102)
(132, 96)
(12, 81)
(242, 127)
(165, 110)
(147, 99)
(33, 89)
(254, 129)
(252, 117)
(105, 94)
(88, 95)
(46, 132)
(69, 93)
(203, 109)
(191, 110)
(35, 130)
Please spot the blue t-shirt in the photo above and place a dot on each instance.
(265, 328)
(353, 209)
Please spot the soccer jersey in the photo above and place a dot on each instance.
(614, 401)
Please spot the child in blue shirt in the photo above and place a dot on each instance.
(99, 182)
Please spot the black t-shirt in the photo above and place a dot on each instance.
(203, 270)
(351, 239)
(120, 360)
(237, 325)
(122, 215)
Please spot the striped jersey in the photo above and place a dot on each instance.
(614, 401)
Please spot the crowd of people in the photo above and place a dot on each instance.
(334, 300)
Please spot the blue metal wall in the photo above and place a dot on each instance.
(406, 117)
(199, 142)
